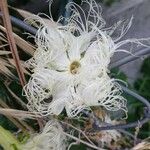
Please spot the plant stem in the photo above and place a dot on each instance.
(83, 142)
(130, 58)
(80, 131)
(11, 41)
(19, 23)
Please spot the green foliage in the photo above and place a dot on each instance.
(7, 123)
(117, 74)
(23, 137)
(142, 85)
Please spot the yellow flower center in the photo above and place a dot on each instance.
(74, 67)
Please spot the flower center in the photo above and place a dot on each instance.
(74, 67)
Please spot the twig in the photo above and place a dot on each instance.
(19, 23)
(19, 114)
(137, 130)
(97, 122)
(130, 58)
(80, 131)
(83, 142)
(11, 41)
(139, 98)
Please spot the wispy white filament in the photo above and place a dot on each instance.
(70, 65)
(51, 138)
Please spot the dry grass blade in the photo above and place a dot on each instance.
(2, 46)
(25, 46)
(4, 64)
(14, 121)
(12, 62)
(19, 123)
(11, 41)
(4, 52)
(2, 37)
(19, 114)
(16, 98)
(23, 13)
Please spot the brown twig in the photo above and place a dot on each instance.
(80, 131)
(81, 141)
(11, 41)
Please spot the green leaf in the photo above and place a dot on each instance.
(8, 140)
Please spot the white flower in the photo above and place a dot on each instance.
(51, 138)
(47, 95)
(70, 65)
(77, 66)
